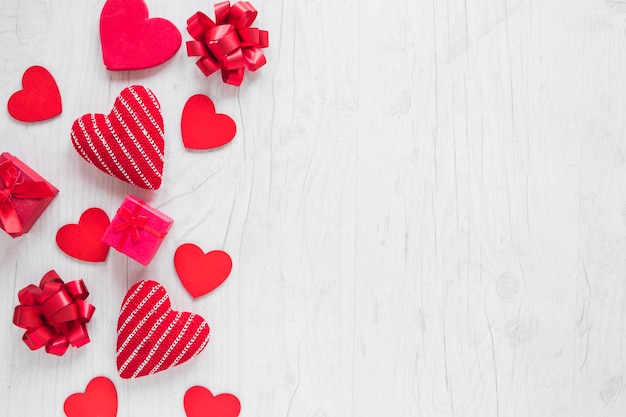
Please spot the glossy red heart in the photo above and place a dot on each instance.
(201, 272)
(39, 99)
(202, 128)
(83, 240)
(151, 337)
(99, 400)
(200, 402)
(131, 41)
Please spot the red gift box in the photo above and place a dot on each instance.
(24, 195)
(137, 230)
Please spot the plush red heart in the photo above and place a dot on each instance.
(151, 337)
(200, 402)
(40, 98)
(99, 400)
(83, 240)
(201, 273)
(128, 143)
(202, 128)
(131, 41)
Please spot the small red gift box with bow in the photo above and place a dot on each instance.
(137, 230)
(24, 195)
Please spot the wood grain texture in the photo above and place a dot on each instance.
(424, 204)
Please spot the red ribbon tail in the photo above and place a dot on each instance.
(58, 346)
(233, 77)
(207, 65)
(38, 337)
(253, 58)
(9, 219)
(77, 334)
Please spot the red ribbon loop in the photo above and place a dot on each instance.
(229, 43)
(54, 314)
(130, 222)
(13, 188)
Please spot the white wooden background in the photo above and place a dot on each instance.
(425, 205)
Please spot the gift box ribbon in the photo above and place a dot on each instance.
(229, 43)
(131, 224)
(9, 174)
(54, 314)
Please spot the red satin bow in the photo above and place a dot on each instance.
(228, 43)
(54, 314)
(9, 174)
(132, 223)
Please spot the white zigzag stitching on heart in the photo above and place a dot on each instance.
(193, 339)
(173, 345)
(135, 311)
(120, 168)
(137, 145)
(156, 104)
(140, 346)
(154, 123)
(91, 146)
(157, 344)
(142, 322)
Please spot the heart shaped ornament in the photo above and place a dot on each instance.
(202, 128)
(84, 240)
(39, 99)
(199, 272)
(128, 143)
(200, 402)
(151, 337)
(131, 41)
(98, 400)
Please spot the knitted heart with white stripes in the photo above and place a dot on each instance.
(128, 142)
(151, 337)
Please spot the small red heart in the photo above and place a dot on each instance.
(131, 41)
(201, 273)
(83, 240)
(202, 128)
(40, 98)
(200, 402)
(99, 400)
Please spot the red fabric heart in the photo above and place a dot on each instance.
(83, 240)
(202, 128)
(131, 41)
(128, 143)
(201, 273)
(151, 337)
(40, 98)
(200, 402)
(99, 400)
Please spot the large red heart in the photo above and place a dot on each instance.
(201, 273)
(151, 337)
(127, 143)
(200, 402)
(99, 400)
(40, 98)
(84, 240)
(131, 41)
(202, 128)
